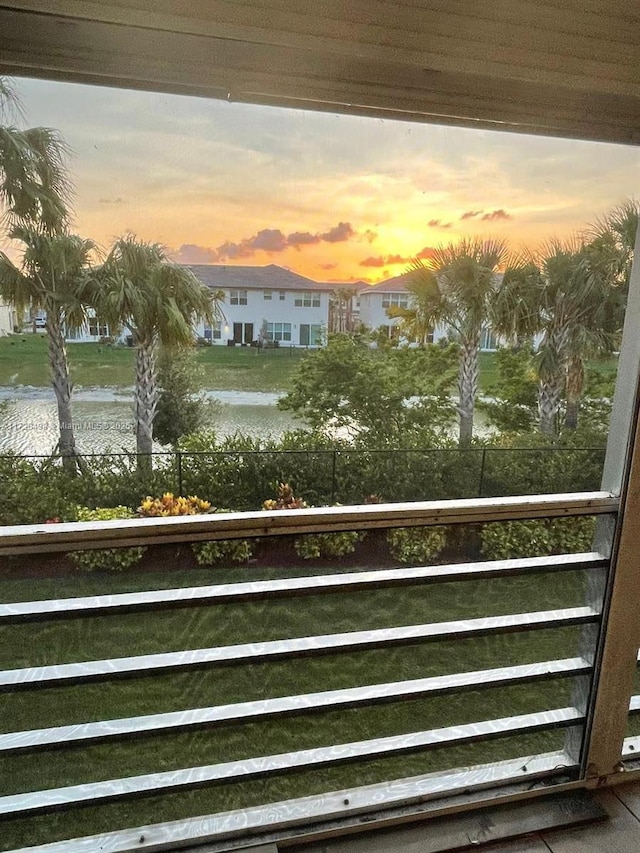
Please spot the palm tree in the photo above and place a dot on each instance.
(159, 302)
(417, 320)
(340, 313)
(614, 235)
(562, 292)
(54, 276)
(458, 286)
(34, 185)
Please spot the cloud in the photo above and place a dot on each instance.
(338, 234)
(426, 253)
(328, 266)
(385, 260)
(118, 200)
(394, 260)
(189, 253)
(303, 238)
(270, 240)
(495, 215)
(471, 214)
(438, 223)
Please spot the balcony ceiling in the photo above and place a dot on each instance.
(557, 67)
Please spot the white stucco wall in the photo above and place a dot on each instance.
(8, 319)
(247, 320)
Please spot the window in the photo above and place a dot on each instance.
(212, 333)
(278, 331)
(266, 295)
(307, 300)
(98, 330)
(488, 340)
(282, 296)
(401, 300)
(316, 336)
(237, 297)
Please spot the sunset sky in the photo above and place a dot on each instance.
(336, 198)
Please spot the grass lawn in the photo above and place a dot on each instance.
(23, 361)
(200, 627)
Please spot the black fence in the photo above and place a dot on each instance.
(243, 479)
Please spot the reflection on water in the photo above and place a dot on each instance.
(29, 426)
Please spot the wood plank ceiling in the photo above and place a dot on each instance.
(558, 67)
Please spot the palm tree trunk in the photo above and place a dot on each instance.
(575, 386)
(62, 389)
(146, 402)
(467, 386)
(552, 381)
(548, 404)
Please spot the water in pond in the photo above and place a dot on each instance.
(104, 420)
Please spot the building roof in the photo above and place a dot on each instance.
(270, 277)
(397, 284)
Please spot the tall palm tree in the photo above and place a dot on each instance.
(34, 186)
(614, 235)
(54, 276)
(159, 302)
(563, 293)
(459, 284)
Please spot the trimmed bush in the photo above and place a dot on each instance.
(107, 559)
(224, 550)
(536, 538)
(417, 544)
(315, 545)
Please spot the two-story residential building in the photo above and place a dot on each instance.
(376, 299)
(268, 305)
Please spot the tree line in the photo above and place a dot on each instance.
(569, 296)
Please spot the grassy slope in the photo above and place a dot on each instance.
(200, 627)
(23, 361)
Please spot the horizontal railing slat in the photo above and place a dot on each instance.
(335, 810)
(314, 585)
(310, 702)
(51, 538)
(144, 665)
(96, 792)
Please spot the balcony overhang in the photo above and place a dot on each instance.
(567, 68)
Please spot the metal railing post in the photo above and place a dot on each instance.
(482, 463)
(179, 470)
(333, 477)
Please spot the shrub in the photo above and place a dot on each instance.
(229, 550)
(315, 545)
(108, 559)
(32, 492)
(537, 538)
(285, 499)
(168, 505)
(417, 544)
